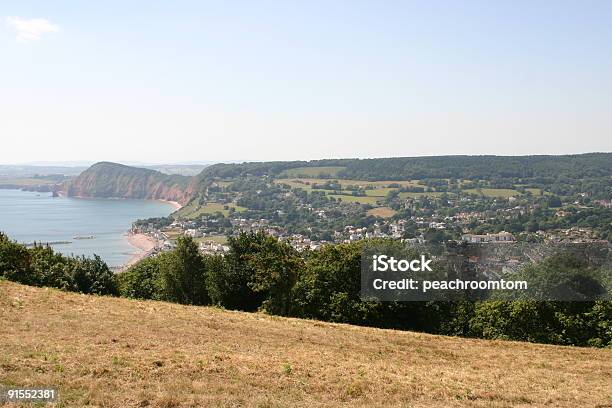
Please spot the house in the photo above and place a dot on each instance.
(499, 237)
(194, 233)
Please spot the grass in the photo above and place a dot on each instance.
(300, 182)
(379, 192)
(313, 171)
(111, 352)
(194, 210)
(423, 194)
(384, 212)
(494, 192)
(219, 239)
(173, 233)
(355, 199)
(536, 191)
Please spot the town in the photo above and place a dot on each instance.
(309, 213)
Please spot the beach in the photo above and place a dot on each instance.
(143, 243)
(174, 204)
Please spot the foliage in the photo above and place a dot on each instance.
(182, 274)
(141, 281)
(230, 284)
(260, 272)
(41, 266)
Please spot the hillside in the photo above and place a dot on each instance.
(112, 180)
(407, 168)
(115, 352)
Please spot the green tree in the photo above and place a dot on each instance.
(92, 276)
(49, 268)
(330, 285)
(183, 274)
(15, 261)
(276, 265)
(143, 280)
(230, 281)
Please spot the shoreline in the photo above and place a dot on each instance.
(175, 204)
(143, 243)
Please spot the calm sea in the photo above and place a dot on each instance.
(28, 216)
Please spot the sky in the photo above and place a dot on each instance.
(187, 81)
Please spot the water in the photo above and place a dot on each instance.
(29, 216)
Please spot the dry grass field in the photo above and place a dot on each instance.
(384, 212)
(110, 352)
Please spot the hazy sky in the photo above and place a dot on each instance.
(172, 81)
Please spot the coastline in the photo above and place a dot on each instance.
(144, 245)
(175, 204)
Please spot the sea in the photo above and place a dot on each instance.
(29, 217)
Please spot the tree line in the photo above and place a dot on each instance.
(535, 168)
(261, 273)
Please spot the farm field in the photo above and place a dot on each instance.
(297, 182)
(494, 192)
(356, 199)
(384, 212)
(219, 239)
(194, 210)
(379, 192)
(423, 194)
(331, 171)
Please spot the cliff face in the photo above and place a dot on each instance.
(112, 180)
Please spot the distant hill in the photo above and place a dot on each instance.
(10, 170)
(107, 179)
(182, 169)
(103, 351)
(112, 180)
(405, 168)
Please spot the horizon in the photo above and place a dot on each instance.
(194, 81)
(210, 163)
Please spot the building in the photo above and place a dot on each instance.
(499, 237)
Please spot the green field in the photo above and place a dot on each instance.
(379, 192)
(355, 199)
(313, 171)
(219, 239)
(536, 191)
(493, 192)
(380, 188)
(193, 210)
(423, 194)
(301, 182)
